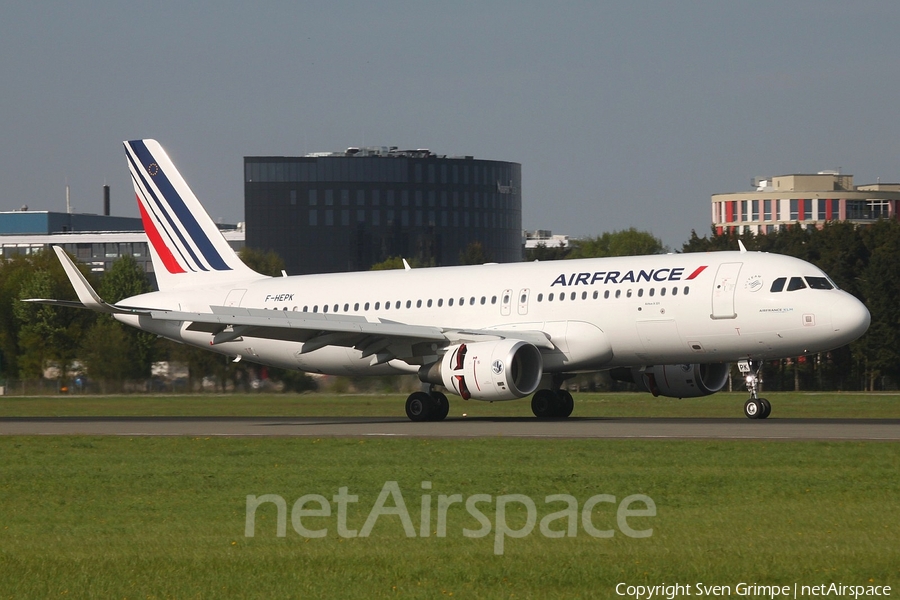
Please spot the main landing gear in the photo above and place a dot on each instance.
(755, 407)
(427, 406)
(553, 404)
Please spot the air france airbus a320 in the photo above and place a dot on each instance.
(671, 324)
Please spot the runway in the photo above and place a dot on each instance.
(518, 427)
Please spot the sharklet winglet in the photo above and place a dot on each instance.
(86, 294)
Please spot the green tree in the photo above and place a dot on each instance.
(44, 332)
(265, 263)
(879, 284)
(544, 252)
(396, 262)
(113, 350)
(474, 254)
(628, 242)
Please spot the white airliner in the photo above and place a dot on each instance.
(669, 323)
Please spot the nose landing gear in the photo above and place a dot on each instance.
(755, 407)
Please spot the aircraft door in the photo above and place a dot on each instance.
(234, 297)
(506, 301)
(723, 291)
(523, 301)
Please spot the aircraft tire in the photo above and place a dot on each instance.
(544, 404)
(419, 407)
(441, 406)
(766, 408)
(566, 404)
(753, 409)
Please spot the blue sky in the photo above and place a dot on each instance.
(622, 114)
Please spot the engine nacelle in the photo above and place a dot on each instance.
(677, 381)
(502, 370)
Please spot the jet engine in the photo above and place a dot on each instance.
(677, 381)
(502, 370)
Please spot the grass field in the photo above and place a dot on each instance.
(111, 517)
(785, 405)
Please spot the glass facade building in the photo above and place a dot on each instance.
(346, 211)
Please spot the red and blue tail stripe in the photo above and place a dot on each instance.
(179, 240)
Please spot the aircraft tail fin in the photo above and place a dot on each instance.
(186, 247)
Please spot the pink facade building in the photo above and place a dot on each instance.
(810, 200)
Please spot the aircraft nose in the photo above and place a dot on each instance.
(849, 318)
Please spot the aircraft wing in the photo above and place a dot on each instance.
(382, 338)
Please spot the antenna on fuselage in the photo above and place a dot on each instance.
(741, 245)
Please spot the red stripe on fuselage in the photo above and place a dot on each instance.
(159, 245)
(696, 272)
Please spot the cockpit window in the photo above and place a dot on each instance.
(819, 283)
(796, 283)
(778, 284)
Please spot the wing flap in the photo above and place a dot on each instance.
(262, 319)
(379, 338)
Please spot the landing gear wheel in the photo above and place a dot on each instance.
(441, 406)
(420, 407)
(544, 404)
(753, 409)
(766, 408)
(566, 404)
